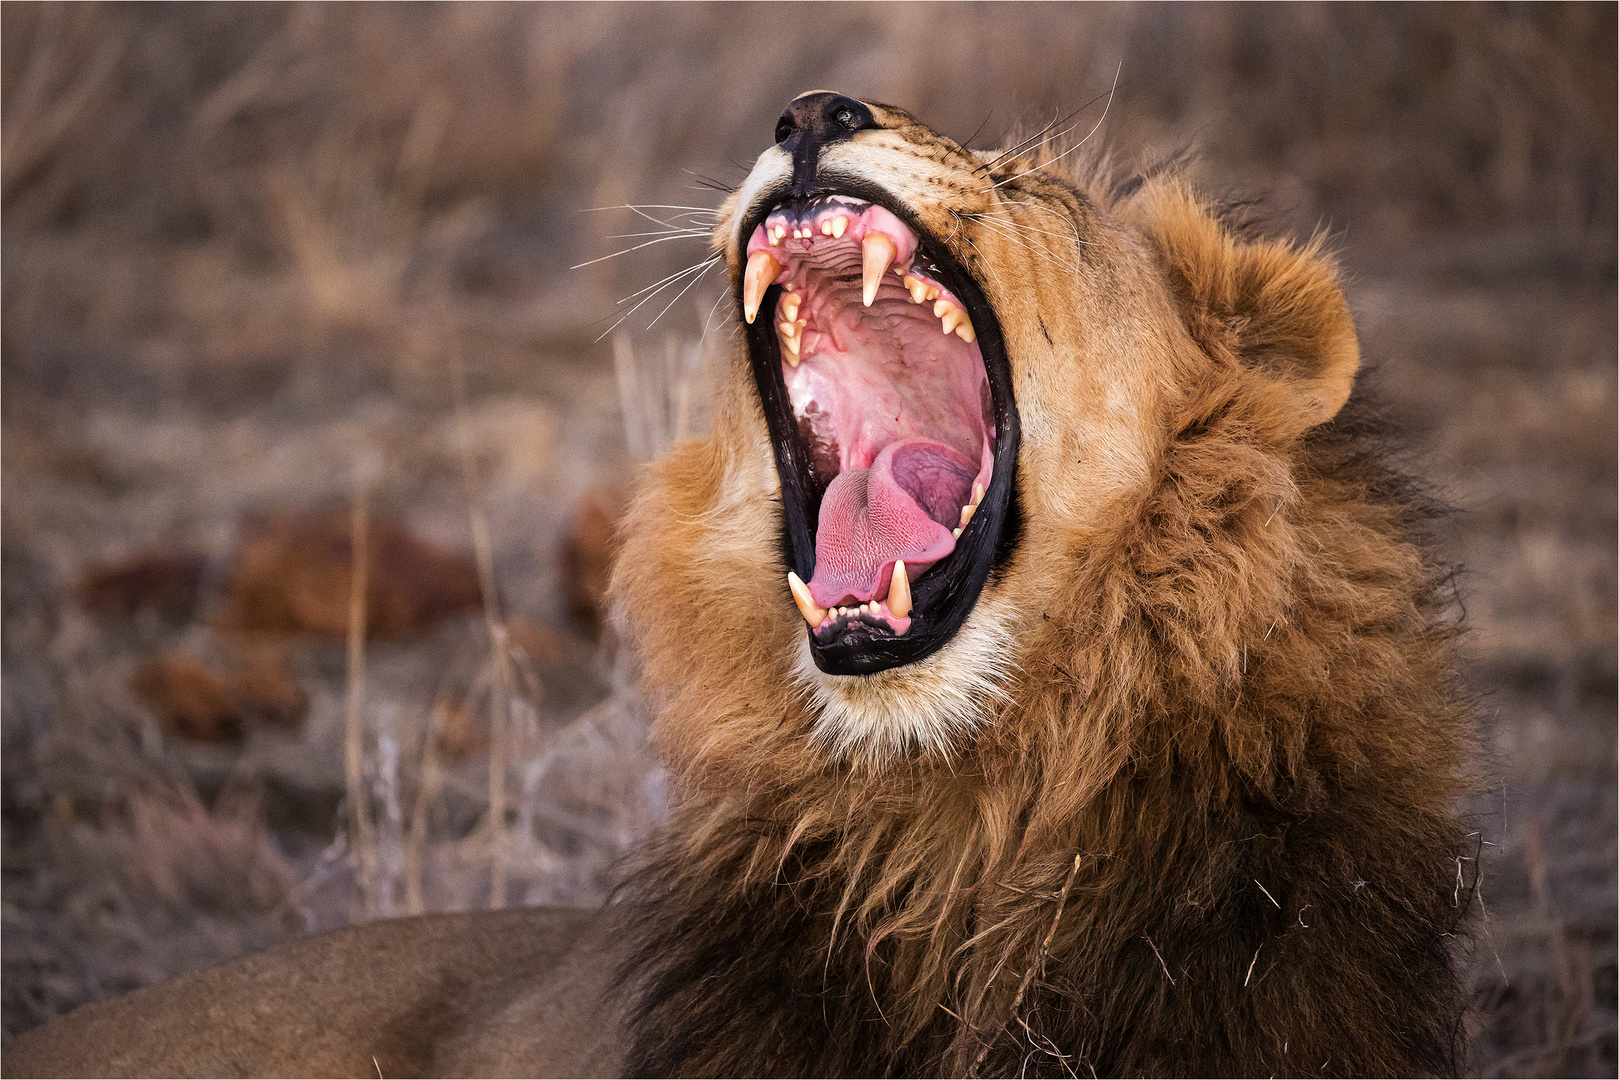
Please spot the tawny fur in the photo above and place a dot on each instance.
(1228, 692)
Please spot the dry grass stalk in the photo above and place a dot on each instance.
(362, 839)
(500, 657)
(427, 789)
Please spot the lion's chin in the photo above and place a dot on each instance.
(928, 708)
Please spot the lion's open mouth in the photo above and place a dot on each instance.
(889, 401)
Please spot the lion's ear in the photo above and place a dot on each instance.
(1275, 309)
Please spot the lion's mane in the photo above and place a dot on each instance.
(1208, 830)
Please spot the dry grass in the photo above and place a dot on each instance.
(243, 247)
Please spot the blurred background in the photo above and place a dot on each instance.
(313, 442)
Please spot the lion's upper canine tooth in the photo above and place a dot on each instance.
(899, 591)
(876, 252)
(806, 603)
(762, 270)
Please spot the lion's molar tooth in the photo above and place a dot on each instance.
(806, 604)
(899, 591)
(762, 270)
(954, 320)
(920, 290)
(789, 306)
(791, 342)
(876, 252)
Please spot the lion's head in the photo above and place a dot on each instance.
(1031, 562)
(961, 373)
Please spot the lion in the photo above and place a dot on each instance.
(1054, 676)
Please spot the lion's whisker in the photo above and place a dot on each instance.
(626, 251)
(661, 282)
(1082, 142)
(656, 288)
(695, 279)
(1006, 231)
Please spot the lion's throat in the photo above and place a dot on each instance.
(906, 506)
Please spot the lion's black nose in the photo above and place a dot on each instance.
(824, 117)
(811, 122)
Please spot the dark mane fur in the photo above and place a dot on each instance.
(749, 960)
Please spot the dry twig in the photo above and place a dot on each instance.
(1038, 964)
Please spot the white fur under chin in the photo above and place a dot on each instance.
(929, 707)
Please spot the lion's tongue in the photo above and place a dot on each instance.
(903, 507)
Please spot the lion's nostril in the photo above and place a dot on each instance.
(823, 116)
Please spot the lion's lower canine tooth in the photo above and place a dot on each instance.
(806, 603)
(762, 270)
(876, 252)
(899, 591)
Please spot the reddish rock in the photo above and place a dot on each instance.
(292, 574)
(161, 579)
(187, 699)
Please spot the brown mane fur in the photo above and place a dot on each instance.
(1231, 700)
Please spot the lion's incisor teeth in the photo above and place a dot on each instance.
(876, 252)
(762, 270)
(899, 591)
(839, 225)
(806, 603)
